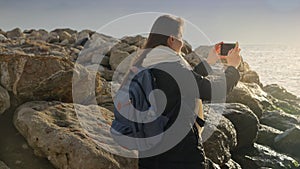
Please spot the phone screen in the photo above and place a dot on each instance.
(226, 47)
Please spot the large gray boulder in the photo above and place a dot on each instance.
(283, 99)
(279, 92)
(36, 78)
(41, 35)
(279, 120)
(250, 94)
(96, 48)
(266, 135)
(4, 100)
(245, 123)
(219, 137)
(49, 78)
(15, 34)
(260, 156)
(101, 42)
(288, 142)
(116, 57)
(70, 136)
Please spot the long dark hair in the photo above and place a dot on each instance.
(163, 27)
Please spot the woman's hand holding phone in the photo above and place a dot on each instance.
(233, 58)
(213, 55)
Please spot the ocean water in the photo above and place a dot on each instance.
(275, 64)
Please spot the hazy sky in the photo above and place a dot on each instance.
(250, 22)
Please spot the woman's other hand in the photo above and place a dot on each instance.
(233, 57)
(213, 55)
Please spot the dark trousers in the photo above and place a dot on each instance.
(187, 154)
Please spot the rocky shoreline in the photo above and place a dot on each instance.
(259, 126)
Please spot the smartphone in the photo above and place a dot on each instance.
(226, 47)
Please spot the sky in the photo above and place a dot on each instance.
(209, 21)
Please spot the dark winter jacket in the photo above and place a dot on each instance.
(181, 84)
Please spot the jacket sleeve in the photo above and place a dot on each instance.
(203, 68)
(216, 88)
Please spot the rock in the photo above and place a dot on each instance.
(53, 37)
(3, 165)
(266, 135)
(38, 35)
(116, 57)
(84, 34)
(54, 131)
(288, 142)
(74, 52)
(104, 72)
(2, 32)
(99, 59)
(203, 51)
(244, 67)
(86, 55)
(250, 77)
(107, 74)
(105, 97)
(88, 87)
(105, 61)
(36, 47)
(193, 59)
(279, 120)
(288, 106)
(284, 100)
(82, 42)
(82, 37)
(260, 156)
(64, 42)
(138, 40)
(92, 56)
(2, 38)
(218, 135)
(48, 78)
(123, 47)
(15, 34)
(100, 42)
(4, 100)
(251, 95)
(67, 30)
(245, 123)
(279, 92)
(187, 48)
(56, 53)
(95, 67)
(65, 38)
(231, 165)
(211, 165)
(28, 31)
(99, 45)
(37, 78)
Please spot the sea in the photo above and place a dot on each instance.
(275, 64)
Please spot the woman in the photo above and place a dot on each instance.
(161, 50)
